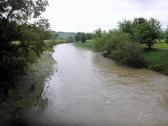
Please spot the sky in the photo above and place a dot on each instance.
(89, 15)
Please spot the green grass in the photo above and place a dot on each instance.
(157, 60)
(87, 44)
(161, 45)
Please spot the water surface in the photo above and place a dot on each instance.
(87, 89)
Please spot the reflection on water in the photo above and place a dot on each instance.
(88, 89)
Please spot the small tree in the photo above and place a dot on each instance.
(77, 36)
(98, 33)
(147, 32)
(83, 37)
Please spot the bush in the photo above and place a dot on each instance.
(119, 46)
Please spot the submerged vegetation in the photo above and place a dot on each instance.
(137, 43)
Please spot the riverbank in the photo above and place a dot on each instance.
(29, 86)
(156, 59)
(27, 94)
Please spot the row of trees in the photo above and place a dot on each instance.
(126, 44)
(21, 42)
(141, 30)
(81, 36)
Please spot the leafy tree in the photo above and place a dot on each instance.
(83, 37)
(147, 32)
(126, 26)
(98, 33)
(78, 36)
(69, 39)
(138, 21)
(21, 10)
(89, 36)
(20, 42)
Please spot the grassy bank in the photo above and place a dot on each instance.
(87, 44)
(156, 59)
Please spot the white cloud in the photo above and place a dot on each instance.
(88, 15)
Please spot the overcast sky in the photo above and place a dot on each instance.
(88, 15)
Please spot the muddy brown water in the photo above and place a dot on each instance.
(88, 89)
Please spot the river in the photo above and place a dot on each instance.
(87, 89)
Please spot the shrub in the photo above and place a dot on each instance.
(119, 46)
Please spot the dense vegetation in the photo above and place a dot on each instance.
(137, 43)
(25, 58)
(21, 43)
(29, 89)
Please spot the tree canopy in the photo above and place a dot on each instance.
(21, 10)
(142, 30)
(21, 42)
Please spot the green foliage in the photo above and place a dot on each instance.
(21, 43)
(81, 36)
(166, 35)
(21, 10)
(77, 36)
(157, 60)
(119, 46)
(52, 42)
(161, 45)
(126, 26)
(87, 44)
(98, 33)
(147, 32)
(138, 21)
(142, 30)
(28, 90)
(127, 45)
(69, 39)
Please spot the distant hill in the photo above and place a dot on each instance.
(55, 34)
(65, 34)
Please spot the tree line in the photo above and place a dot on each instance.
(132, 43)
(143, 31)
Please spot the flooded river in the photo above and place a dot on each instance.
(89, 90)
